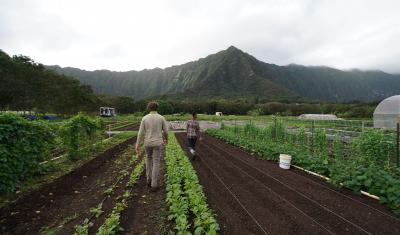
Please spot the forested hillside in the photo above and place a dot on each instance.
(27, 85)
(233, 73)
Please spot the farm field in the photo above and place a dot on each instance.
(254, 196)
(123, 126)
(68, 198)
(271, 117)
(233, 187)
(108, 194)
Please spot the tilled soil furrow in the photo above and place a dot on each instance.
(108, 201)
(231, 217)
(337, 210)
(69, 196)
(147, 211)
(315, 212)
(360, 214)
(271, 212)
(133, 127)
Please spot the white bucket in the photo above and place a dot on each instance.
(284, 161)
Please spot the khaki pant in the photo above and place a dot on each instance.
(153, 164)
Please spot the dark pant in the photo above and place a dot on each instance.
(192, 142)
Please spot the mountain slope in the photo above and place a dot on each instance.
(234, 74)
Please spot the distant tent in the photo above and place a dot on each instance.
(387, 112)
(319, 116)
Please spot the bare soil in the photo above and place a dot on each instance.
(64, 202)
(147, 212)
(133, 127)
(255, 196)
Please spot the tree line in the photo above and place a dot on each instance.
(245, 107)
(28, 86)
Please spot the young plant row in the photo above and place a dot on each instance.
(95, 212)
(185, 195)
(112, 223)
(359, 166)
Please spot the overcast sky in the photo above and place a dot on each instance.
(133, 35)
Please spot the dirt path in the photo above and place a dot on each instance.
(66, 201)
(251, 195)
(147, 212)
(133, 127)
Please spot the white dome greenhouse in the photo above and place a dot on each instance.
(319, 116)
(387, 113)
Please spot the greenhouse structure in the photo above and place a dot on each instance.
(319, 116)
(387, 113)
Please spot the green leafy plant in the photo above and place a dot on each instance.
(184, 194)
(79, 134)
(112, 223)
(83, 229)
(97, 211)
(23, 145)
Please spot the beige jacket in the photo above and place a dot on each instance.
(152, 129)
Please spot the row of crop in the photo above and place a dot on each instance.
(358, 166)
(185, 195)
(95, 212)
(111, 224)
(24, 144)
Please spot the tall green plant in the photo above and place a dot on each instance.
(321, 142)
(79, 133)
(23, 145)
(374, 145)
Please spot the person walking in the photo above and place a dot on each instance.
(153, 134)
(193, 134)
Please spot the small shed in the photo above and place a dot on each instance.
(387, 112)
(218, 113)
(319, 116)
(107, 112)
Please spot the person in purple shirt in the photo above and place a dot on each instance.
(193, 134)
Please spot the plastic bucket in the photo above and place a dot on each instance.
(284, 161)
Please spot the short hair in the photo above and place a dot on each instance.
(152, 106)
(194, 113)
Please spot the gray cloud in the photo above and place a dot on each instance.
(125, 35)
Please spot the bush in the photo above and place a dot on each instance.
(79, 134)
(254, 112)
(23, 145)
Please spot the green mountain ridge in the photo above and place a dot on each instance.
(232, 73)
